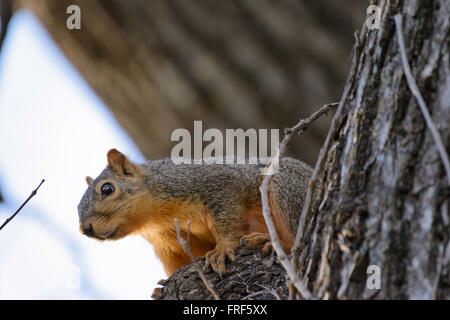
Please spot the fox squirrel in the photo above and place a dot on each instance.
(222, 201)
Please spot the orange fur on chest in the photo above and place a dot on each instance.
(160, 230)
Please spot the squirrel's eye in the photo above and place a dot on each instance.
(107, 189)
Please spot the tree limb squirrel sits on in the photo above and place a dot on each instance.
(222, 201)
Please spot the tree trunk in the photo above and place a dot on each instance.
(384, 199)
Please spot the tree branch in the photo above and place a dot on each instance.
(284, 260)
(33, 193)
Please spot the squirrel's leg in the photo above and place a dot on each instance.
(262, 240)
(228, 231)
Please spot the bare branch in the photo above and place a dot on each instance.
(33, 193)
(186, 245)
(282, 257)
(284, 260)
(302, 126)
(415, 91)
(272, 291)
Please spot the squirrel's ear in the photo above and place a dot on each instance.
(121, 164)
(89, 180)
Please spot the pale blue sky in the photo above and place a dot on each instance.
(53, 126)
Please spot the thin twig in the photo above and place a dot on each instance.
(272, 291)
(415, 91)
(257, 293)
(282, 257)
(33, 193)
(302, 126)
(324, 150)
(284, 260)
(186, 245)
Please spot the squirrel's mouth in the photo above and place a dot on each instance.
(110, 236)
(113, 235)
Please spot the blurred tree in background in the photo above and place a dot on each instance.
(159, 65)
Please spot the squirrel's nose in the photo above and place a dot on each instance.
(88, 229)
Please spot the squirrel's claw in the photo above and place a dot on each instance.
(216, 258)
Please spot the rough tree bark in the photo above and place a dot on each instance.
(159, 65)
(384, 198)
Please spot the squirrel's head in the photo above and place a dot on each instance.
(107, 210)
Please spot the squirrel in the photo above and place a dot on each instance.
(222, 201)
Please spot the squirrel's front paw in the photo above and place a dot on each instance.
(216, 257)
